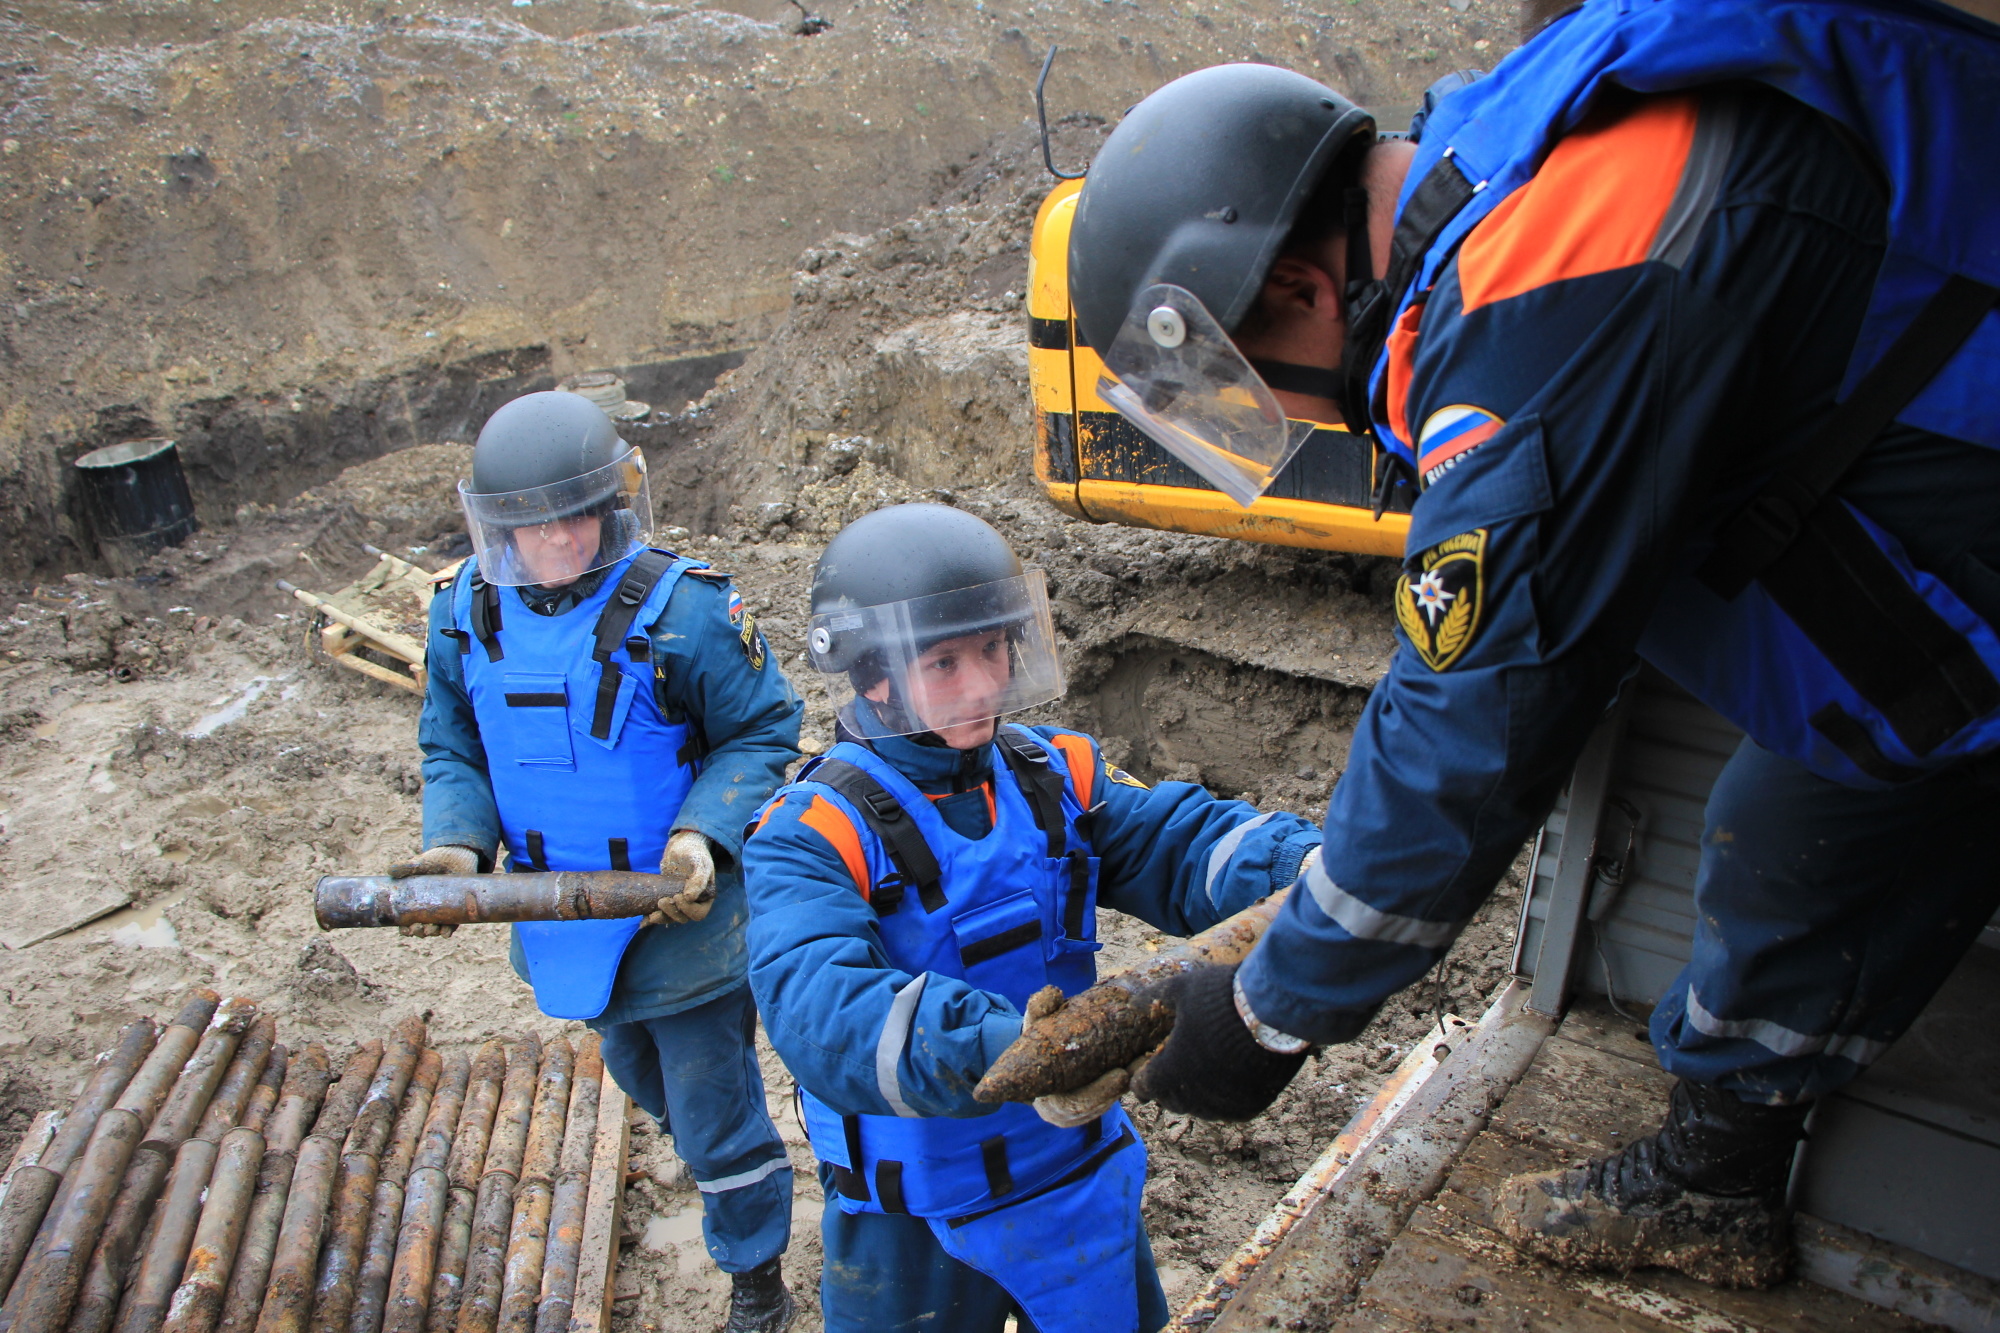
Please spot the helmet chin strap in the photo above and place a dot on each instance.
(1291, 377)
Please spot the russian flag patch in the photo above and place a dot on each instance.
(735, 607)
(1451, 433)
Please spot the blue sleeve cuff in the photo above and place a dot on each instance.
(1290, 855)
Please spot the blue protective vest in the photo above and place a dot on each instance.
(1009, 913)
(587, 772)
(1918, 83)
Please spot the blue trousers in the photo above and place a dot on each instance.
(1825, 919)
(696, 1073)
(886, 1273)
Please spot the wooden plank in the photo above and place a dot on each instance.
(597, 1265)
(356, 662)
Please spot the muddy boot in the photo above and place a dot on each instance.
(759, 1302)
(1704, 1196)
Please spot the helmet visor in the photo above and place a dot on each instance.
(943, 661)
(1181, 380)
(553, 535)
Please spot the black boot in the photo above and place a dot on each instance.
(1705, 1196)
(759, 1302)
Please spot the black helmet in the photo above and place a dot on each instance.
(1199, 186)
(542, 439)
(895, 584)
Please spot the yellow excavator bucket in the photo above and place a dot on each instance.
(1095, 464)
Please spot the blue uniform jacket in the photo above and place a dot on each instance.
(708, 664)
(1172, 855)
(1597, 379)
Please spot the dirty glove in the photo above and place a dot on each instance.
(443, 860)
(1079, 1106)
(689, 860)
(1210, 1066)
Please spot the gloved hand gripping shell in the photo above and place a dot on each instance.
(1210, 1066)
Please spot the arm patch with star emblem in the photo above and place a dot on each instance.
(1440, 597)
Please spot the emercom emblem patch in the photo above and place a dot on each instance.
(1439, 602)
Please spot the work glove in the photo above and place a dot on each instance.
(689, 860)
(1210, 1066)
(1080, 1106)
(442, 860)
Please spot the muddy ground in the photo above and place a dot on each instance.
(237, 222)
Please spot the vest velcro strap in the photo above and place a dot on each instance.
(634, 587)
(889, 1186)
(1764, 529)
(912, 856)
(1083, 1170)
(1040, 781)
(1077, 902)
(538, 699)
(993, 1155)
(486, 618)
(1874, 628)
(537, 855)
(994, 945)
(621, 853)
(1852, 739)
(459, 637)
(850, 1184)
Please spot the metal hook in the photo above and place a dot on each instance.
(1042, 114)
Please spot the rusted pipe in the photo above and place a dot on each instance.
(528, 1235)
(46, 1291)
(354, 1188)
(572, 1193)
(462, 1174)
(288, 1295)
(493, 1213)
(171, 1231)
(34, 1184)
(196, 1302)
(414, 1265)
(1120, 1018)
(378, 1250)
(344, 901)
(145, 1179)
(301, 1101)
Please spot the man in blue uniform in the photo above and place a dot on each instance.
(915, 888)
(595, 704)
(1681, 325)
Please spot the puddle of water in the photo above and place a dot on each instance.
(237, 707)
(144, 927)
(670, 1231)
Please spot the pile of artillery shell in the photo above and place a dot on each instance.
(208, 1179)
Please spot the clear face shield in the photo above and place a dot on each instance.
(954, 660)
(1182, 381)
(554, 535)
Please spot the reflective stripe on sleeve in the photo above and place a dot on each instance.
(743, 1178)
(889, 1046)
(1369, 923)
(1778, 1038)
(1225, 847)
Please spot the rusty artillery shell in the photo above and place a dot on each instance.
(194, 1305)
(493, 1212)
(334, 1288)
(305, 1088)
(462, 1174)
(407, 1298)
(572, 1193)
(119, 1246)
(288, 1295)
(144, 1305)
(1117, 1020)
(378, 1251)
(528, 1233)
(35, 1184)
(344, 901)
(47, 1288)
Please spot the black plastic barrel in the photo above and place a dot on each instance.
(137, 498)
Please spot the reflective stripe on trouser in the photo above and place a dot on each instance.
(887, 1273)
(696, 1073)
(1825, 919)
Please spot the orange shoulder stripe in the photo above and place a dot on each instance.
(1082, 771)
(826, 819)
(1595, 205)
